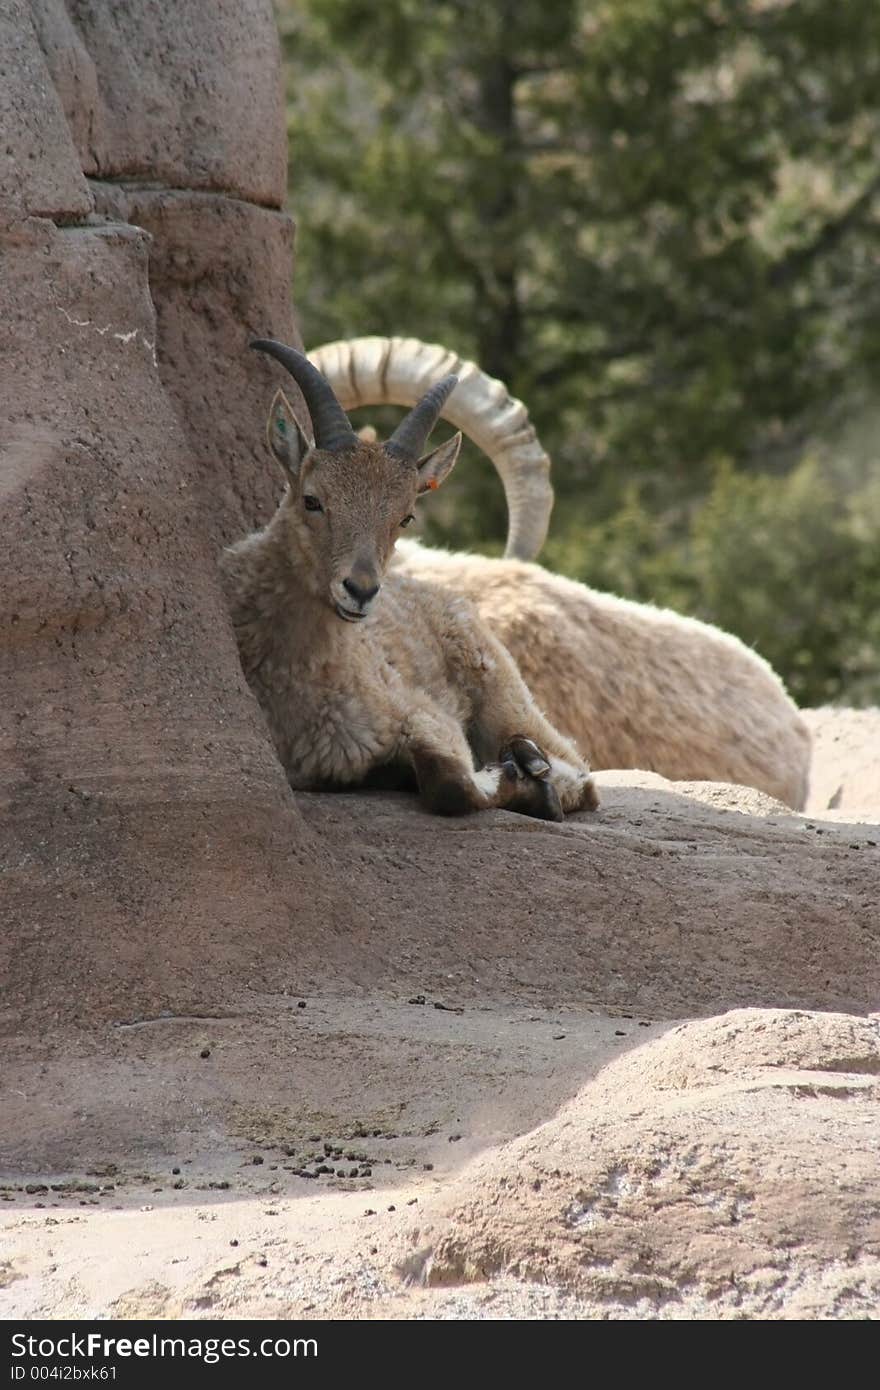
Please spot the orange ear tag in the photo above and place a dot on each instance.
(433, 484)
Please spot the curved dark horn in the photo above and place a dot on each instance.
(411, 435)
(329, 421)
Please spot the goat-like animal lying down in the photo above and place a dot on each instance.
(368, 674)
(631, 684)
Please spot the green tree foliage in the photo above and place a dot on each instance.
(657, 221)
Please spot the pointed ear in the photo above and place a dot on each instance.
(435, 467)
(285, 436)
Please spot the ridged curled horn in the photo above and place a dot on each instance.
(411, 435)
(329, 421)
(398, 371)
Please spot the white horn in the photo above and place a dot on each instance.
(398, 371)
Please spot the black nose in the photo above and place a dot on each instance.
(359, 594)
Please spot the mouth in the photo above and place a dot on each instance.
(349, 615)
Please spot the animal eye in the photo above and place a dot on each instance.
(312, 504)
(407, 519)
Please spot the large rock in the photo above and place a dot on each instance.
(728, 1169)
(39, 168)
(845, 770)
(219, 275)
(188, 95)
(143, 808)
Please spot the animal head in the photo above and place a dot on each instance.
(391, 371)
(348, 498)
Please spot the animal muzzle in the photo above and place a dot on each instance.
(354, 597)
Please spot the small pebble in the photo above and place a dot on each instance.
(392, 1207)
(174, 1172)
(412, 1201)
(369, 1212)
(557, 1037)
(301, 1004)
(205, 1052)
(428, 1167)
(454, 1138)
(619, 1033)
(233, 1242)
(258, 1158)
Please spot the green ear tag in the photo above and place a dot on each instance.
(281, 425)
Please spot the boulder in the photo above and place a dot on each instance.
(40, 172)
(189, 95)
(219, 274)
(845, 769)
(725, 1170)
(143, 805)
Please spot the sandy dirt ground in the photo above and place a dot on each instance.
(353, 1152)
(208, 1222)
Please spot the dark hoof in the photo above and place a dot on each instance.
(528, 756)
(531, 796)
(552, 806)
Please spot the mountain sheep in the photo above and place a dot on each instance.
(632, 685)
(365, 674)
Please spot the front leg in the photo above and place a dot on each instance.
(450, 785)
(506, 717)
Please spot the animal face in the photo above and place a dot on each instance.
(346, 507)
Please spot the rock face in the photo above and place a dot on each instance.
(143, 807)
(183, 94)
(39, 171)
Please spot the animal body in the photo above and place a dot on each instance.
(631, 685)
(367, 673)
